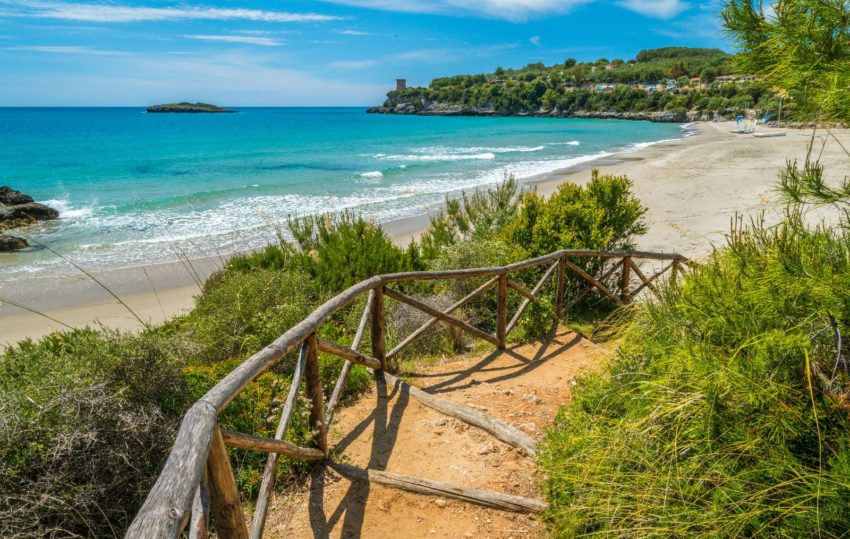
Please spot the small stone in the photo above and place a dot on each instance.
(532, 398)
(487, 448)
(441, 422)
(439, 502)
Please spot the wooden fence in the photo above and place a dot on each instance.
(197, 483)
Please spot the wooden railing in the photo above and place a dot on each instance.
(197, 483)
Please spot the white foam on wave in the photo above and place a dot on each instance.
(373, 174)
(438, 157)
(570, 143)
(66, 211)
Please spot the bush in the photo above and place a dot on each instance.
(725, 410)
(604, 215)
(481, 215)
(341, 250)
(87, 418)
(240, 312)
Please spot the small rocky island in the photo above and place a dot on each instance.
(16, 210)
(188, 108)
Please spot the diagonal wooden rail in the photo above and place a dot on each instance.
(197, 480)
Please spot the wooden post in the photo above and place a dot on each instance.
(379, 344)
(562, 288)
(199, 524)
(225, 510)
(674, 272)
(624, 282)
(313, 378)
(502, 313)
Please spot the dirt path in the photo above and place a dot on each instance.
(387, 430)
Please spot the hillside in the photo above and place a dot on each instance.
(671, 84)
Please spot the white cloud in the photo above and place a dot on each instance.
(62, 49)
(534, 40)
(219, 78)
(123, 13)
(511, 10)
(661, 9)
(354, 33)
(249, 40)
(351, 65)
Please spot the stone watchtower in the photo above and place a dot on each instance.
(400, 85)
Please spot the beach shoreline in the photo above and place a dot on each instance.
(693, 186)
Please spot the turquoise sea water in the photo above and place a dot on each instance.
(136, 188)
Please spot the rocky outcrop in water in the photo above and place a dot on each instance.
(12, 243)
(188, 108)
(19, 209)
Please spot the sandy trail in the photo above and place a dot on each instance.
(387, 430)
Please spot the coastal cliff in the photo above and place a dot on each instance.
(423, 107)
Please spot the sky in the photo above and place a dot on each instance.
(310, 53)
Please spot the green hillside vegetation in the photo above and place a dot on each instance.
(570, 87)
(89, 415)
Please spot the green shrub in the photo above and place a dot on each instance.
(240, 312)
(603, 215)
(343, 249)
(86, 419)
(481, 215)
(725, 411)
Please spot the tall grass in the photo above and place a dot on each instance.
(725, 411)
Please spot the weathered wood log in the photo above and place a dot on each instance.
(267, 486)
(515, 319)
(486, 498)
(348, 354)
(346, 368)
(427, 325)
(199, 525)
(225, 509)
(502, 313)
(166, 509)
(674, 273)
(540, 260)
(240, 440)
(427, 309)
(624, 279)
(561, 291)
(233, 383)
(589, 278)
(313, 380)
(521, 291)
(586, 290)
(379, 339)
(502, 431)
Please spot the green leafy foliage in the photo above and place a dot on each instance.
(801, 50)
(87, 418)
(724, 412)
(570, 87)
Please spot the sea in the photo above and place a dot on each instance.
(135, 189)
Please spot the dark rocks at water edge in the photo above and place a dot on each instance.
(12, 243)
(18, 209)
(422, 107)
(188, 108)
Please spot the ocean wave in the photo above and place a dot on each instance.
(570, 143)
(66, 211)
(372, 175)
(438, 157)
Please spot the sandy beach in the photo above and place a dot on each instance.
(693, 187)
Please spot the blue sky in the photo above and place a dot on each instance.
(305, 53)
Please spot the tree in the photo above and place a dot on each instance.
(802, 52)
(569, 62)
